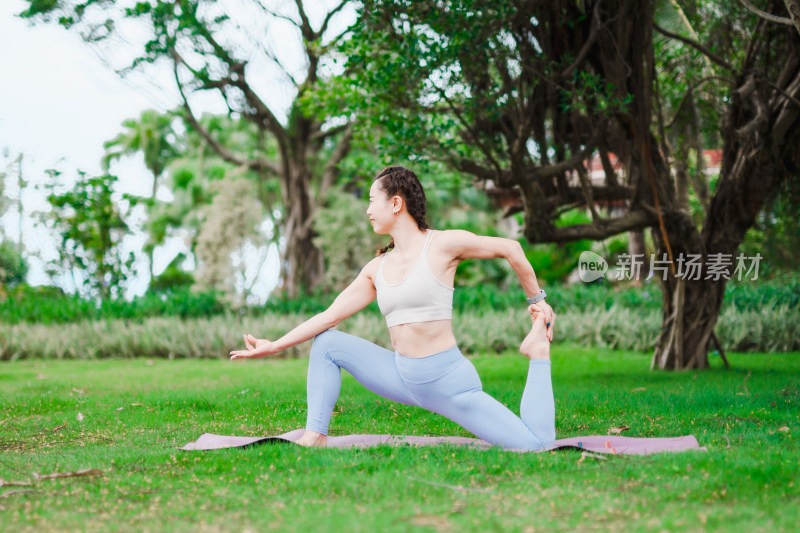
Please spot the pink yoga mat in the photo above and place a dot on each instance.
(613, 444)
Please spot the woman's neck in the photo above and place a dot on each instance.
(407, 239)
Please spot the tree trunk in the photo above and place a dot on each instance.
(682, 177)
(151, 247)
(761, 136)
(691, 303)
(302, 261)
(698, 180)
(636, 249)
(690, 311)
(793, 7)
(693, 294)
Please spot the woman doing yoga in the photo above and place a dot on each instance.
(414, 287)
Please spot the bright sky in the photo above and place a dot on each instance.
(57, 109)
(59, 103)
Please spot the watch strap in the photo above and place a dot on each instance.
(539, 297)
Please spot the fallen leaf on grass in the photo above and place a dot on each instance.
(79, 473)
(79, 417)
(41, 376)
(639, 389)
(585, 454)
(79, 391)
(618, 429)
(783, 428)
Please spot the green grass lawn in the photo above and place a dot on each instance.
(136, 412)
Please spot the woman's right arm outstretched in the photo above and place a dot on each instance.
(354, 298)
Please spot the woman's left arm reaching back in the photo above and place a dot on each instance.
(464, 244)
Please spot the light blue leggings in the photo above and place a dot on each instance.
(445, 383)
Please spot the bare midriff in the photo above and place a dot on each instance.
(420, 339)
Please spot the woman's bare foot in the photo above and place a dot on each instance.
(312, 439)
(536, 345)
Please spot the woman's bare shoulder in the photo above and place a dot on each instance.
(447, 239)
(450, 234)
(371, 268)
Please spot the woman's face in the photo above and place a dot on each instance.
(381, 209)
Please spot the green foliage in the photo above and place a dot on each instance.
(191, 175)
(90, 228)
(776, 234)
(40, 7)
(780, 291)
(553, 262)
(590, 94)
(469, 298)
(695, 93)
(604, 295)
(386, 84)
(13, 267)
(345, 237)
(755, 317)
(688, 82)
(454, 202)
(50, 305)
(152, 135)
(309, 302)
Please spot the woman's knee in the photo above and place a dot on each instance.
(549, 437)
(325, 342)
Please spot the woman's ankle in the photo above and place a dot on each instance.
(535, 346)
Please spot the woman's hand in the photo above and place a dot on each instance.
(549, 316)
(256, 348)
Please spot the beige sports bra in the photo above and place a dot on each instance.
(419, 297)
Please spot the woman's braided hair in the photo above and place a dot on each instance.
(404, 183)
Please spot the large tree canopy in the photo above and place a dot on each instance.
(521, 94)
